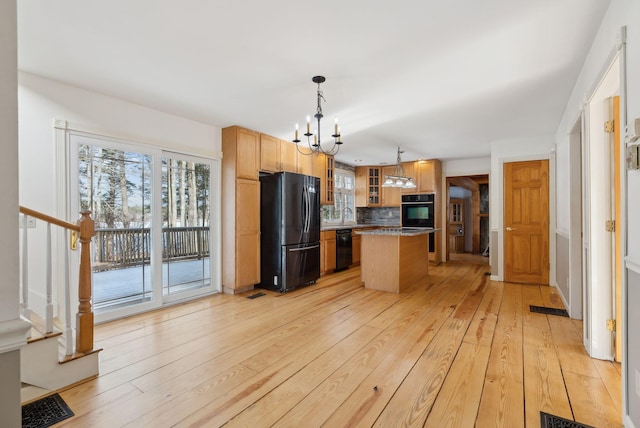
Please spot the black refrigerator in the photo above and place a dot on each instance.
(289, 231)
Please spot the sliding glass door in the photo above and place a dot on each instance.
(153, 211)
(186, 211)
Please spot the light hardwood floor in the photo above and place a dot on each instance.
(456, 349)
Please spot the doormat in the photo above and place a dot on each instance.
(45, 412)
(551, 421)
(548, 311)
(255, 296)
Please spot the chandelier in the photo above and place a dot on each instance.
(398, 179)
(316, 146)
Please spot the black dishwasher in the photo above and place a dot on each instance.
(343, 249)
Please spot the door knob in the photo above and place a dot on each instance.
(509, 229)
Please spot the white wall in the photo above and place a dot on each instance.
(41, 100)
(461, 167)
(563, 220)
(620, 13)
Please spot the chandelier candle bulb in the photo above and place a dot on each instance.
(308, 126)
(296, 132)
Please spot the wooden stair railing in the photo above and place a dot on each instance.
(85, 227)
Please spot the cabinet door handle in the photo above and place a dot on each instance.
(509, 228)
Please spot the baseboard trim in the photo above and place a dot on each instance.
(13, 334)
(628, 423)
(240, 290)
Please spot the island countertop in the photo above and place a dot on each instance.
(399, 231)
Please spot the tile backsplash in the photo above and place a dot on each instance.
(383, 216)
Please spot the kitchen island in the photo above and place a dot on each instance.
(394, 258)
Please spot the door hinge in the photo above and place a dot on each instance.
(610, 225)
(608, 126)
(611, 325)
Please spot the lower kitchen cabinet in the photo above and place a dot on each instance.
(355, 248)
(327, 251)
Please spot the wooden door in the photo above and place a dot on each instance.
(526, 221)
(456, 225)
(617, 209)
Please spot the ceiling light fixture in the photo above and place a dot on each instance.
(398, 179)
(316, 147)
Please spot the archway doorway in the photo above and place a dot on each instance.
(466, 229)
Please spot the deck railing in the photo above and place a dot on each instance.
(83, 230)
(119, 248)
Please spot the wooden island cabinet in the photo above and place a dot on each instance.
(393, 259)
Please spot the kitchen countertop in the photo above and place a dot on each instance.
(355, 226)
(399, 231)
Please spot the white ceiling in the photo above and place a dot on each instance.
(441, 79)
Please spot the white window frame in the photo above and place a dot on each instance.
(332, 214)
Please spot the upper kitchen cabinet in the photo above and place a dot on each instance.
(304, 162)
(243, 146)
(391, 196)
(276, 155)
(410, 171)
(368, 190)
(288, 156)
(269, 153)
(322, 167)
(428, 174)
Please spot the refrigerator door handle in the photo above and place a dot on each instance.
(307, 208)
(304, 248)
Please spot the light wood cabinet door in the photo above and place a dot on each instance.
(426, 177)
(247, 232)
(304, 163)
(409, 169)
(361, 186)
(323, 169)
(368, 187)
(269, 153)
(330, 255)
(288, 156)
(355, 248)
(247, 154)
(391, 196)
(318, 166)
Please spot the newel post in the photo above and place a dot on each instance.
(84, 317)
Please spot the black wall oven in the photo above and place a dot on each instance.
(418, 211)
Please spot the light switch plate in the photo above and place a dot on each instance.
(633, 156)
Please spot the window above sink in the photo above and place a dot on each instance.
(343, 210)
